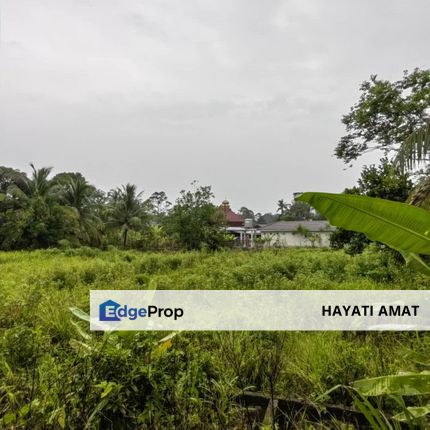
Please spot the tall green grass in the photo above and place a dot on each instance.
(56, 374)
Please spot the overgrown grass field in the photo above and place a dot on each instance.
(56, 374)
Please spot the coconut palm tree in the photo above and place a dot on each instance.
(37, 211)
(282, 207)
(38, 186)
(126, 210)
(78, 194)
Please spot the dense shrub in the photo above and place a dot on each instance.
(75, 378)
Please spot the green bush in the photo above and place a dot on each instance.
(78, 378)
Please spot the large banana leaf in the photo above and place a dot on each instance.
(413, 384)
(416, 263)
(398, 225)
(414, 411)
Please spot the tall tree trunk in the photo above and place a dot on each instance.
(125, 237)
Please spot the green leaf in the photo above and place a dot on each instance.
(79, 346)
(79, 330)
(398, 225)
(415, 411)
(124, 334)
(413, 384)
(415, 150)
(80, 314)
(100, 406)
(168, 338)
(24, 410)
(372, 415)
(61, 419)
(418, 358)
(9, 418)
(108, 388)
(416, 263)
(165, 343)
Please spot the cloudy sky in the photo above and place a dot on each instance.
(243, 95)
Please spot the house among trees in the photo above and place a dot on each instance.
(242, 229)
(279, 234)
(284, 234)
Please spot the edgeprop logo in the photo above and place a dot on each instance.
(113, 311)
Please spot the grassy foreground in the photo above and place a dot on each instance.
(55, 374)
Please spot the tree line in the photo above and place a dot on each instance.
(293, 211)
(42, 210)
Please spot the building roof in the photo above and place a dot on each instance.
(231, 218)
(292, 226)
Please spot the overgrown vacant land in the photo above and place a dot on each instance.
(55, 373)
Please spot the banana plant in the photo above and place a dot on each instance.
(401, 226)
(405, 228)
(84, 345)
(397, 387)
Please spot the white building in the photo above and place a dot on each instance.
(283, 234)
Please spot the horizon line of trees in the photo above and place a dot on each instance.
(294, 211)
(42, 210)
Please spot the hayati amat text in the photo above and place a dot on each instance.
(370, 310)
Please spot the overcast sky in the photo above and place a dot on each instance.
(243, 95)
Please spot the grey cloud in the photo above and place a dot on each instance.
(244, 95)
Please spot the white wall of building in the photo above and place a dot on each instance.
(286, 239)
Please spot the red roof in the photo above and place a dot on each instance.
(232, 219)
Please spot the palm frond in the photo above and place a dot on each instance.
(415, 150)
(420, 196)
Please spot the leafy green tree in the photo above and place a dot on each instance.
(297, 211)
(9, 177)
(78, 194)
(282, 207)
(126, 210)
(37, 186)
(31, 215)
(386, 182)
(384, 118)
(402, 227)
(157, 239)
(385, 115)
(63, 178)
(266, 218)
(351, 241)
(195, 221)
(158, 204)
(246, 213)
